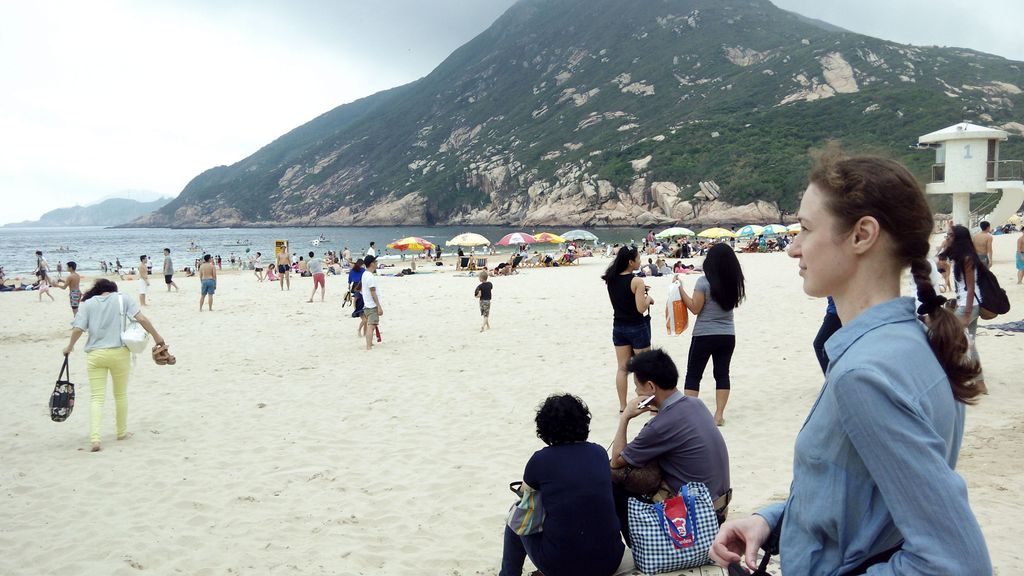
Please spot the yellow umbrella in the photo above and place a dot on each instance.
(548, 238)
(794, 228)
(716, 233)
(414, 243)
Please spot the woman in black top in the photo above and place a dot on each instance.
(580, 534)
(631, 329)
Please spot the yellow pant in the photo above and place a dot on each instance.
(116, 361)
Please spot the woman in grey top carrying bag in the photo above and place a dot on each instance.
(101, 316)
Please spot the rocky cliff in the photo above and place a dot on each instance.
(603, 112)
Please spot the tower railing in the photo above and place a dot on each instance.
(996, 171)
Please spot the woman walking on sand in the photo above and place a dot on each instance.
(874, 487)
(631, 327)
(959, 249)
(100, 314)
(716, 294)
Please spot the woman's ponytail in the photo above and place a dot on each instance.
(946, 336)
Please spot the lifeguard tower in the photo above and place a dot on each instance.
(967, 162)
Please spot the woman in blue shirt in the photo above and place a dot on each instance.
(873, 472)
(580, 534)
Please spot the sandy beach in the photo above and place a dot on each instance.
(278, 445)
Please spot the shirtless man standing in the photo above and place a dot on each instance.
(284, 268)
(73, 284)
(143, 281)
(983, 244)
(208, 281)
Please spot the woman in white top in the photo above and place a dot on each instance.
(101, 315)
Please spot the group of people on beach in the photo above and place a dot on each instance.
(874, 485)
(874, 482)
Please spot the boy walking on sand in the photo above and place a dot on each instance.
(169, 271)
(483, 292)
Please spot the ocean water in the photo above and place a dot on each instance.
(88, 246)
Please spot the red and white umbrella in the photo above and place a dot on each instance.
(517, 238)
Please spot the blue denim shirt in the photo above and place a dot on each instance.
(874, 461)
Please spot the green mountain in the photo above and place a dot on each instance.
(599, 112)
(107, 213)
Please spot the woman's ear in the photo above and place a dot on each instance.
(865, 234)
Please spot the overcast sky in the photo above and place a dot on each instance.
(134, 98)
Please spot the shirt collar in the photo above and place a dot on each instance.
(889, 312)
(675, 397)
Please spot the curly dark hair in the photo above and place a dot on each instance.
(563, 419)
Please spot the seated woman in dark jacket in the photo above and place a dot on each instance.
(581, 531)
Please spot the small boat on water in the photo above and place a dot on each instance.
(321, 240)
(193, 247)
(64, 250)
(238, 243)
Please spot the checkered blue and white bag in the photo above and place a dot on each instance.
(675, 540)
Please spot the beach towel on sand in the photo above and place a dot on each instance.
(676, 315)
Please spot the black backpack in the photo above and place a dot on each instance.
(993, 298)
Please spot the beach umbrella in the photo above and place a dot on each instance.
(772, 229)
(794, 228)
(673, 232)
(548, 238)
(1015, 220)
(716, 233)
(414, 243)
(580, 235)
(517, 238)
(468, 239)
(749, 230)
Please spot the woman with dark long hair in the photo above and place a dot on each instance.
(100, 314)
(874, 486)
(959, 249)
(580, 535)
(631, 327)
(716, 294)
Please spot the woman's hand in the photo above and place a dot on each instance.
(740, 537)
(68, 350)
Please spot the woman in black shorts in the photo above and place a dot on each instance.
(631, 329)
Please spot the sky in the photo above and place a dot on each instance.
(134, 98)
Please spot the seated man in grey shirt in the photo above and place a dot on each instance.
(682, 438)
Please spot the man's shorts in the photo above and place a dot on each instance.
(167, 278)
(372, 318)
(75, 296)
(636, 336)
(318, 280)
(282, 268)
(209, 286)
(485, 308)
(141, 284)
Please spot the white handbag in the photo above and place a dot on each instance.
(133, 335)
